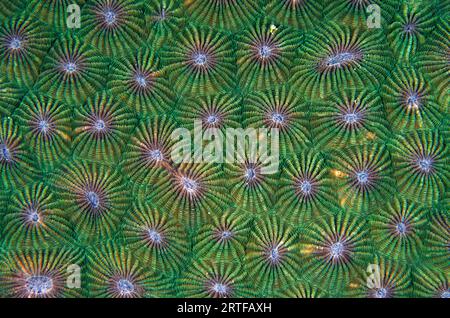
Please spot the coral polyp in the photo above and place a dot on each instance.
(305, 188)
(101, 126)
(387, 280)
(250, 186)
(225, 237)
(421, 166)
(272, 253)
(115, 273)
(46, 126)
(113, 26)
(159, 240)
(211, 279)
(200, 61)
(280, 109)
(140, 82)
(23, 44)
(192, 192)
(363, 175)
(72, 70)
(17, 164)
(338, 56)
(265, 55)
(333, 248)
(40, 273)
(349, 118)
(149, 150)
(409, 28)
(164, 18)
(34, 219)
(94, 198)
(409, 101)
(214, 111)
(397, 229)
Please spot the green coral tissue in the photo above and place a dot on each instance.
(224, 148)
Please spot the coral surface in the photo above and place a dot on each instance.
(224, 148)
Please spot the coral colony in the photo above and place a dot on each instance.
(224, 148)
